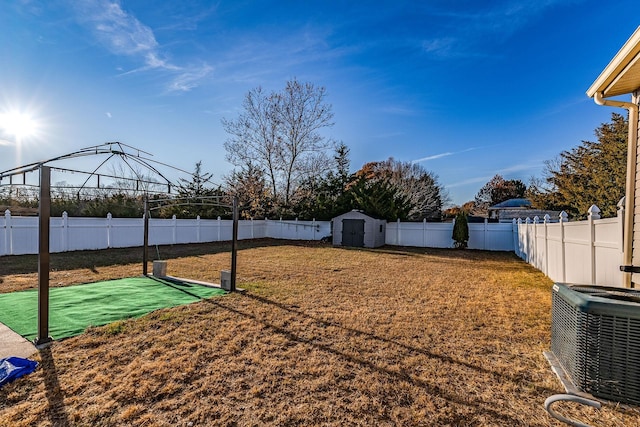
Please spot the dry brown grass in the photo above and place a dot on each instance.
(323, 336)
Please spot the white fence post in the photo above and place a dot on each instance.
(8, 241)
(175, 229)
(109, 226)
(219, 226)
(563, 218)
(547, 219)
(514, 234)
(65, 232)
(528, 245)
(252, 233)
(198, 228)
(518, 238)
(536, 251)
(485, 232)
(593, 214)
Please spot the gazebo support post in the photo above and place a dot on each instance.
(145, 240)
(44, 214)
(234, 245)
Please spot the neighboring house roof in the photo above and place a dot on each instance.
(508, 215)
(622, 75)
(512, 204)
(518, 208)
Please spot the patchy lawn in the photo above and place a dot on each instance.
(323, 336)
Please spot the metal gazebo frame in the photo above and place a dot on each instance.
(129, 155)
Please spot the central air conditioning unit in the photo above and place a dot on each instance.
(595, 336)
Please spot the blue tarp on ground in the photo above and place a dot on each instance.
(12, 368)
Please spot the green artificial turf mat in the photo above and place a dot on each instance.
(73, 308)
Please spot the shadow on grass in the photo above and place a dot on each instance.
(55, 398)
(26, 264)
(481, 405)
(450, 253)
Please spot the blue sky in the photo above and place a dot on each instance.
(466, 88)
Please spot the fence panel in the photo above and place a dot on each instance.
(419, 234)
(487, 236)
(555, 252)
(185, 231)
(608, 250)
(577, 252)
(581, 252)
(4, 234)
(540, 245)
(85, 233)
(491, 236)
(126, 232)
(23, 235)
(245, 230)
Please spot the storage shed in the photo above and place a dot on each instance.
(357, 229)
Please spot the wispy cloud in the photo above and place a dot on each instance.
(441, 155)
(123, 34)
(520, 167)
(468, 181)
(504, 172)
(399, 110)
(189, 79)
(435, 156)
(255, 57)
(468, 30)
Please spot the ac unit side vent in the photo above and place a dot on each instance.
(595, 335)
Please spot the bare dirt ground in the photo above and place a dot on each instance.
(323, 336)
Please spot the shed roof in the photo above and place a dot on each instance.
(622, 75)
(358, 213)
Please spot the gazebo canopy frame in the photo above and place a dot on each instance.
(131, 157)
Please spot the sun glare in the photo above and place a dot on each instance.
(18, 124)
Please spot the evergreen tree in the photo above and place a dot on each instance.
(461, 230)
(591, 173)
(196, 198)
(415, 186)
(378, 198)
(323, 197)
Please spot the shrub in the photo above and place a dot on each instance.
(461, 231)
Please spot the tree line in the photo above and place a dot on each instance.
(592, 173)
(284, 167)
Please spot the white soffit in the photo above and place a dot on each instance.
(622, 75)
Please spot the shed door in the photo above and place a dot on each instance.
(353, 232)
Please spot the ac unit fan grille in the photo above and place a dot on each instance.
(600, 351)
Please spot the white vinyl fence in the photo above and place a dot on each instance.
(19, 235)
(582, 252)
(486, 236)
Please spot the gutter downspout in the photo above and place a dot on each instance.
(630, 196)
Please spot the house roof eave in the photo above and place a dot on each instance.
(622, 75)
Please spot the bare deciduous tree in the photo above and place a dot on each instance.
(279, 133)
